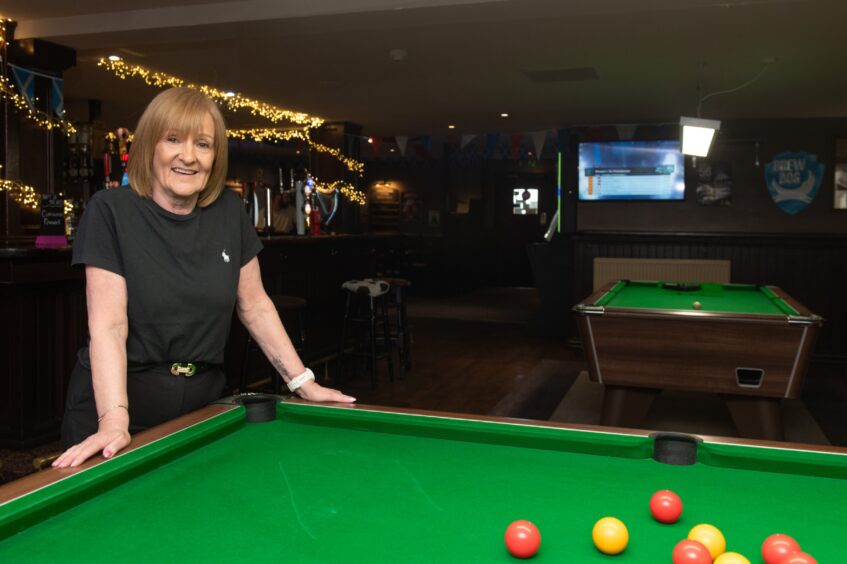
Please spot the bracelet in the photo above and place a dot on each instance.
(99, 419)
(307, 376)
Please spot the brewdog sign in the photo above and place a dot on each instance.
(793, 180)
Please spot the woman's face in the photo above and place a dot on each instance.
(182, 163)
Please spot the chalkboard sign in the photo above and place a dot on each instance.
(52, 215)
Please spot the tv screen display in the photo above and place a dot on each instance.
(631, 170)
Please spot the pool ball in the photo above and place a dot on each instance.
(696, 305)
(778, 546)
(665, 506)
(710, 537)
(731, 558)
(798, 558)
(610, 535)
(691, 552)
(522, 539)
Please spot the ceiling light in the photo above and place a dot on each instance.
(697, 135)
(370, 139)
(114, 58)
(451, 126)
(504, 114)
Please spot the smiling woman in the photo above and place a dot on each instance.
(166, 261)
(182, 133)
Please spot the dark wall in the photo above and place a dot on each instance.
(752, 209)
(478, 240)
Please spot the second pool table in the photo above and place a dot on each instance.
(323, 483)
(751, 344)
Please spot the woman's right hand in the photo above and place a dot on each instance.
(110, 438)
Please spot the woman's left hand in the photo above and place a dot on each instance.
(313, 391)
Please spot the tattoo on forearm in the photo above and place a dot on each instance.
(277, 363)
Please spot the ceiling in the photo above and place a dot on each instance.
(592, 61)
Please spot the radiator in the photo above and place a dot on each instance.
(666, 270)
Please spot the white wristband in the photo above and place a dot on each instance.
(307, 376)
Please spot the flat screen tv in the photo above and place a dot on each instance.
(631, 170)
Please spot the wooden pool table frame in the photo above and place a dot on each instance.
(638, 352)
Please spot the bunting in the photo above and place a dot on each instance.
(376, 144)
(402, 140)
(562, 135)
(491, 140)
(422, 147)
(517, 142)
(538, 139)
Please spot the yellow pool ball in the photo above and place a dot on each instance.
(710, 537)
(731, 558)
(696, 305)
(610, 535)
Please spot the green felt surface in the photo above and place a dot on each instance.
(723, 298)
(333, 485)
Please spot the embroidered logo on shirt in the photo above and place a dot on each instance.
(225, 256)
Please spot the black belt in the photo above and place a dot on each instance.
(189, 369)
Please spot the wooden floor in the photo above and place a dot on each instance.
(462, 366)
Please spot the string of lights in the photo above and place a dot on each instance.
(27, 197)
(24, 195)
(275, 135)
(351, 164)
(347, 190)
(39, 118)
(231, 100)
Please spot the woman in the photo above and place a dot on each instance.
(165, 263)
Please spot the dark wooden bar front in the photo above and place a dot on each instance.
(43, 324)
(43, 317)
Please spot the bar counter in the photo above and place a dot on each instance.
(43, 316)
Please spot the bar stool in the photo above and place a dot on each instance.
(402, 334)
(289, 309)
(365, 307)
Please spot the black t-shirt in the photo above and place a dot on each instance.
(181, 271)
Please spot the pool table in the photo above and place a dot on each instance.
(751, 344)
(327, 483)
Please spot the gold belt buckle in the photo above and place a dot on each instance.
(187, 370)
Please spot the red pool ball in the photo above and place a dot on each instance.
(777, 547)
(798, 558)
(691, 552)
(522, 539)
(665, 506)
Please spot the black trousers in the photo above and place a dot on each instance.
(155, 396)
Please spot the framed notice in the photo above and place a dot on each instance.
(840, 183)
(714, 183)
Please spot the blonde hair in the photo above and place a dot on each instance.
(182, 110)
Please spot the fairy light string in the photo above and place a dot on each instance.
(262, 135)
(231, 100)
(234, 101)
(36, 116)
